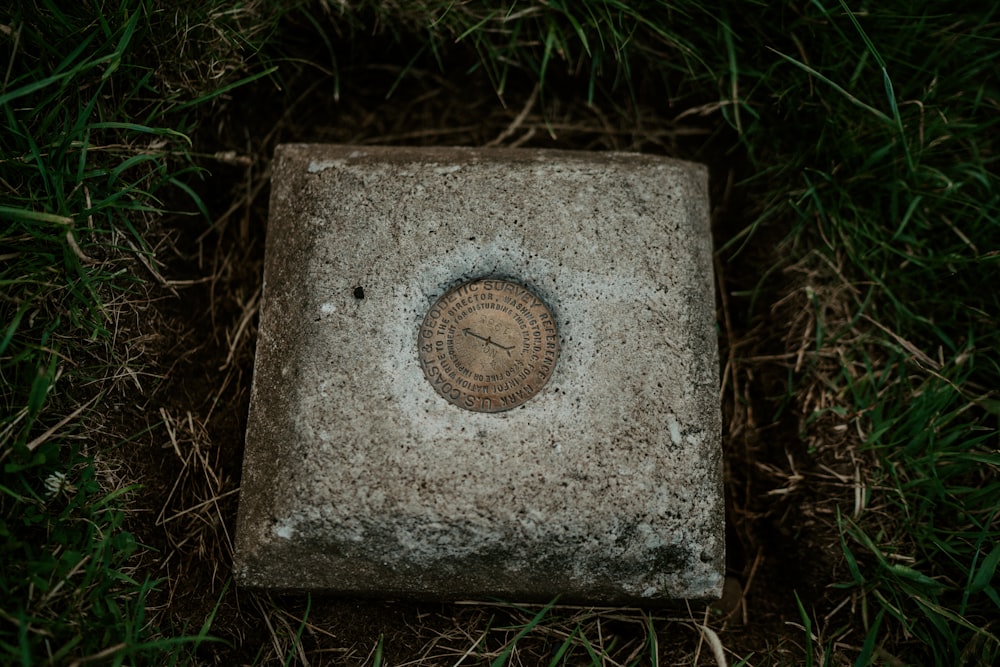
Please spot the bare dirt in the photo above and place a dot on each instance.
(189, 460)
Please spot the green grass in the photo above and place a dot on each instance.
(90, 142)
(869, 138)
(902, 185)
(931, 568)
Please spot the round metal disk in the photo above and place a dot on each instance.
(488, 345)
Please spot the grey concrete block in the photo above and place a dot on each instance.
(358, 478)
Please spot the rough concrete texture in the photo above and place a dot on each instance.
(358, 478)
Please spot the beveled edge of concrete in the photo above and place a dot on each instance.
(342, 217)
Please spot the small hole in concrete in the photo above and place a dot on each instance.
(359, 292)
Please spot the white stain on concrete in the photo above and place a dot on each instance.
(675, 429)
(318, 166)
(285, 530)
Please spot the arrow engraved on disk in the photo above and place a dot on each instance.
(488, 340)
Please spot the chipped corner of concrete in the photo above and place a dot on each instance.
(605, 488)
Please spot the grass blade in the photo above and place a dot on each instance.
(807, 625)
(866, 656)
(12, 213)
(225, 89)
(848, 96)
(501, 660)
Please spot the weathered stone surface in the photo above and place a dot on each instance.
(360, 479)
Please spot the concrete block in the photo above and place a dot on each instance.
(360, 479)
